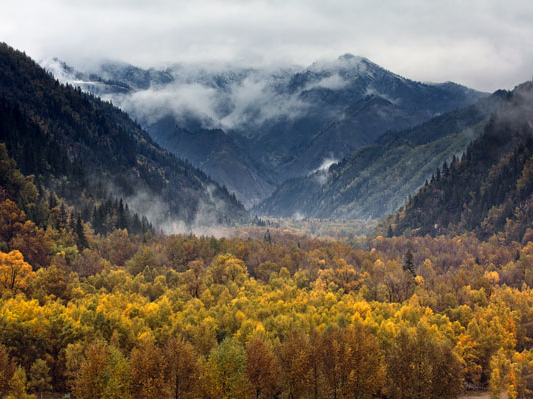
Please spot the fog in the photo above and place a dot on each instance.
(321, 173)
(218, 96)
(483, 44)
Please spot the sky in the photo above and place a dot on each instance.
(484, 44)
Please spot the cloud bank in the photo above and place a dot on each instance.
(485, 44)
(217, 98)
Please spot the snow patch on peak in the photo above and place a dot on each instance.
(347, 66)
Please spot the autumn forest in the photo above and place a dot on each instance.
(273, 315)
(98, 301)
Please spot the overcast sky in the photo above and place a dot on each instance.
(485, 44)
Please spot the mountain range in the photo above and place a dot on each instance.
(377, 179)
(465, 169)
(253, 129)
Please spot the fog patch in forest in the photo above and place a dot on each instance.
(320, 174)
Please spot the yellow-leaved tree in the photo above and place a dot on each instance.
(15, 273)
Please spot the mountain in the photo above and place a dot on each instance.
(252, 129)
(376, 179)
(80, 145)
(490, 190)
(350, 102)
(218, 155)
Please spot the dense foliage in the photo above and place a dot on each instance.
(95, 303)
(273, 315)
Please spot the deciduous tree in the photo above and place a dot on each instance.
(262, 369)
(40, 378)
(15, 273)
(226, 369)
(183, 368)
(147, 368)
(7, 368)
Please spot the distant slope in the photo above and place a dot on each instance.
(107, 147)
(490, 190)
(218, 155)
(376, 179)
(252, 129)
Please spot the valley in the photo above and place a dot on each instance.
(207, 201)
(251, 129)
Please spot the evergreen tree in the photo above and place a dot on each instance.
(445, 169)
(267, 237)
(80, 232)
(408, 262)
(122, 221)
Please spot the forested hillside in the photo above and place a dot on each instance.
(219, 155)
(376, 180)
(490, 189)
(273, 315)
(87, 151)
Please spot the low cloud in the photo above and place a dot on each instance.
(320, 174)
(370, 91)
(205, 221)
(298, 216)
(217, 96)
(326, 164)
(333, 82)
(518, 112)
(255, 100)
(181, 100)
